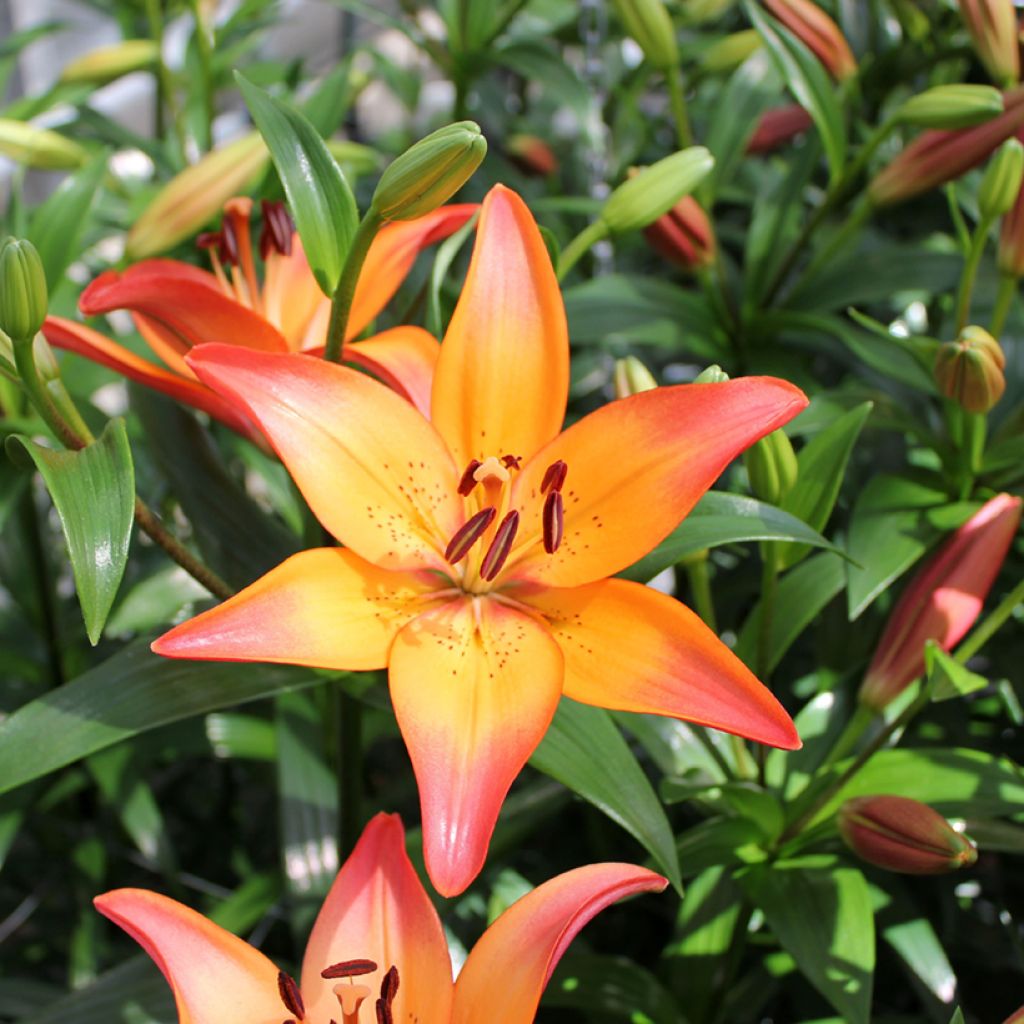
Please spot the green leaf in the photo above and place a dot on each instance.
(130, 693)
(822, 465)
(446, 253)
(58, 223)
(321, 202)
(718, 842)
(537, 62)
(720, 518)
(593, 984)
(93, 491)
(584, 750)
(948, 677)
(821, 914)
(958, 1017)
(809, 83)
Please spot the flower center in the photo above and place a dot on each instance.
(480, 547)
(350, 994)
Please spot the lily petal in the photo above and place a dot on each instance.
(503, 377)
(505, 974)
(326, 608)
(291, 297)
(636, 467)
(185, 300)
(404, 358)
(378, 910)
(474, 685)
(215, 976)
(392, 254)
(75, 337)
(373, 470)
(631, 648)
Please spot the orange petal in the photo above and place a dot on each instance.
(326, 608)
(378, 910)
(185, 300)
(392, 255)
(292, 299)
(506, 972)
(373, 470)
(631, 648)
(86, 342)
(404, 358)
(636, 467)
(474, 685)
(503, 376)
(215, 976)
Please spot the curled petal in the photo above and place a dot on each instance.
(404, 358)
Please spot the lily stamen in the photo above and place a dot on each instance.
(468, 479)
(290, 995)
(501, 546)
(554, 477)
(553, 518)
(468, 534)
(348, 969)
(277, 231)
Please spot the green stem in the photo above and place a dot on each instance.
(769, 590)
(850, 736)
(1004, 299)
(677, 101)
(975, 424)
(570, 255)
(341, 303)
(838, 241)
(204, 50)
(350, 776)
(970, 272)
(716, 755)
(165, 105)
(983, 632)
(700, 587)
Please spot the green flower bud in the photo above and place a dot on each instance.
(729, 52)
(772, 467)
(430, 172)
(644, 197)
(632, 377)
(23, 298)
(39, 147)
(1001, 182)
(970, 370)
(107, 63)
(950, 107)
(712, 374)
(649, 23)
(900, 834)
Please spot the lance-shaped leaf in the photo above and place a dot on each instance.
(318, 194)
(93, 491)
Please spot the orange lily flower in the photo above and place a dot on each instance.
(477, 544)
(377, 932)
(177, 306)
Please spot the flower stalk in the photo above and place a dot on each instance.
(341, 302)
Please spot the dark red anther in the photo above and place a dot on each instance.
(501, 546)
(228, 251)
(349, 969)
(290, 995)
(554, 477)
(468, 534)
(383, 1013)
(389, 985)
(467, 482)
(554, 521)
(276, 233)
(511, 461)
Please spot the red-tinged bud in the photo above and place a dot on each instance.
(970, 370)
(936, 157)
(684, 235)
(818, 32)
(1011, 240)
(532, 155)
(777, 127)
(992, 25)
(899, 834)
(1017, 1017)
(942, 601)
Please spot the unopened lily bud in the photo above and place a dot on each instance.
(942, 601)
(712, 374)
(632, 377)
(1010, 258)
(970, 370)
(107, 63)
(39, 147)
(778, 126)
(992, 25)
(952, 106)
(771, 467)
(904, 835)
(1002, 180)
(730, 52)
(936, 157)
(430, 172)
(654, 190)
(23, 296)
(532, 155)
(649, 23)
(818, 32)
(194, 197)
(684, 235)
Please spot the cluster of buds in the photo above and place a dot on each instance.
(904, 835)
(650, 192)
(992, 25)
(942, 600)
(970, 370)
(684, 235)
(818, 32)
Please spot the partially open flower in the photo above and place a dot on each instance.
(818, 32)
(899, 834)
(970, 370)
